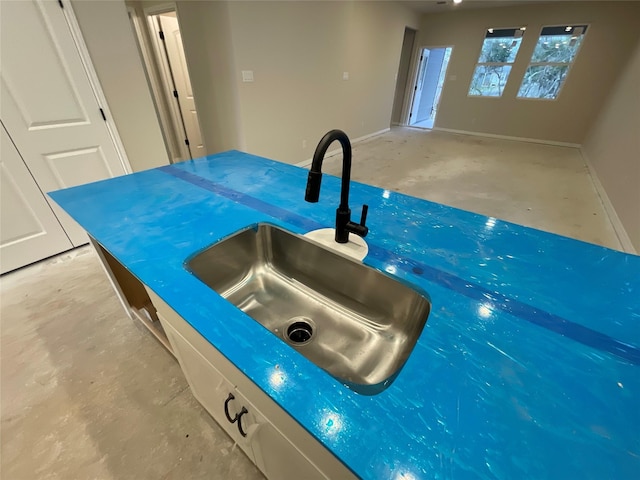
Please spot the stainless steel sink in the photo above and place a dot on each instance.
(351, 320)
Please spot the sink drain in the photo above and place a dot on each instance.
(300, 331)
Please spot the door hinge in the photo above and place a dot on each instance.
(421, 57)
(186, 142)
(410, 115)
(175, 93)
(104, 117)
(161, 33)
(415, 88)
(60, 3)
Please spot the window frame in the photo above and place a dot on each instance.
(523, 29)
(587, 27)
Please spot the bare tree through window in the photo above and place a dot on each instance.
(555, 51)
(499, 51)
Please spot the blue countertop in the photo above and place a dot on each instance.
(528, 366)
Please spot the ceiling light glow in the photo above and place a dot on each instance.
(457, 1)
(331, 423)
(485, 310)
(277, 378)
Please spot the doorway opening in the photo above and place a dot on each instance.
(160, 43)
(432, 72)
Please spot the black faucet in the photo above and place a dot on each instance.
(344, 225)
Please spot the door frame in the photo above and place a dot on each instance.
(415, 70)
(164, 72)
(160, 78)
(156, 69)
(87, 63)
(171, 142)
(417, 92)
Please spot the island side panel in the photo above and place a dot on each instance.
(131, 293)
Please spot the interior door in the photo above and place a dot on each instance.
(175, 51)
(417, 90)
(48, 105)
(29, 231)
(430, 84)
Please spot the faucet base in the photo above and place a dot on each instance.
(343, 218)
(344, 225)
(355, 248)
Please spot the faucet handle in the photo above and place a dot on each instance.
(344, 226)
(363, 217)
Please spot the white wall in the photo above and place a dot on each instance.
(403, 76)
(298, 52)
(612, 147)
(613, 32)
(207, 39)
(109, 38)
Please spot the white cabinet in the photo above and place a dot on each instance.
(274, 441)
(278, 459)
(216, 394)
(272, 453)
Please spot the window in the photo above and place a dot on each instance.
(556, 49)
(498, 53)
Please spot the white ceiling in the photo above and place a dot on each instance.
(432, 6)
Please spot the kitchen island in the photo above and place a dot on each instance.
(529, 363)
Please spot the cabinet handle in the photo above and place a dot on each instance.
(226, 409)
(239, 418)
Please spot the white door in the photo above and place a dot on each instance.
(417, 90)
(175, 51)
(48, 105)
(29, 231)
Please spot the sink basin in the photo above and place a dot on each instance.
(355, 322)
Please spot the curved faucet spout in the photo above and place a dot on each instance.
(315, 174)
(344, 225)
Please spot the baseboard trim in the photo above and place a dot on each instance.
(335, 151)
(616, 223)
(371, 135)
(507, 137)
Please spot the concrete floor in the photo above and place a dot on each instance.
(87, 393)
(540, 186)
(428, 123)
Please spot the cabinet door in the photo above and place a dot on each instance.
(275, 456)
(274, 441)
(272, 453)
(211, 389)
